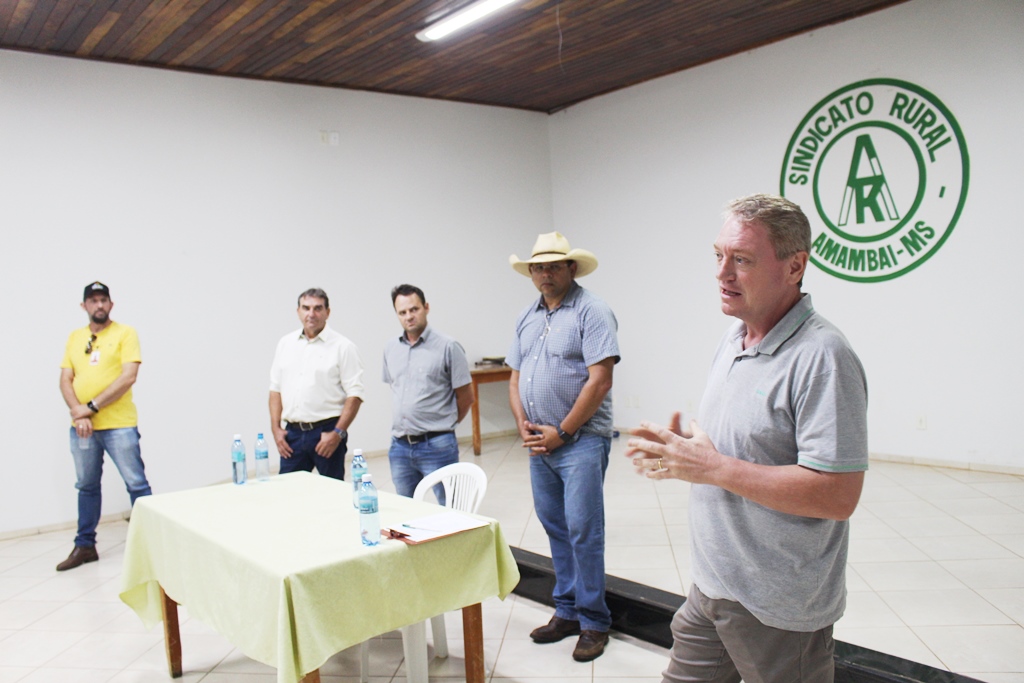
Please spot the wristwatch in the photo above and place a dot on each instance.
(565, 436)
(341, 432)
(92, 406)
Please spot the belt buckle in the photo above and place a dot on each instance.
(305, 426)
(412, 439)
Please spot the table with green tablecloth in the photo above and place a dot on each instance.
(278, 568)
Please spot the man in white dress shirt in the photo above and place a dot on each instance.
(316, 389)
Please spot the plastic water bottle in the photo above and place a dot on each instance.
(369, 511)
(262, 458)
(238, 460)
(358, 470)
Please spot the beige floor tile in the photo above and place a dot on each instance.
(924, 527)
(625, 658)
(1009, 601)
(863, 528)
(998, 573)
(895, 509)
(59, 675)
(135, 676)
(976, 547)
(36, 648)
(865, 608)
(525, 659)
(20, 614)
(884, 550)
(12, 674)
(1012, 542)
(892, 576)
(78, 616)
(976, 648)
(943, 608)
(1005, 524)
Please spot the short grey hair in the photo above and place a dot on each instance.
(315, 293)
(788, 227)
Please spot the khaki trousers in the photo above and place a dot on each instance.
(719, 641)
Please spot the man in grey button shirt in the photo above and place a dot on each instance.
(777, 464)
(431, 393)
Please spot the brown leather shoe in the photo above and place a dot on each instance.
(79, 556)
(590, 645)
(555, 630)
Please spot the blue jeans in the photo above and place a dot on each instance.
(304, 457)
(568, 496)
(122, 445)
(411, 462)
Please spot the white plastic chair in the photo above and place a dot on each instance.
(464, 487)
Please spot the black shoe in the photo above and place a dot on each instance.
(555, 630)
(79, 556)
(590, 645)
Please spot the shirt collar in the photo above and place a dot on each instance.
(568, 301)
(422, 340)
(782, 331)
(324, 334)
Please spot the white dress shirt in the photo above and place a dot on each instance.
(315, 376)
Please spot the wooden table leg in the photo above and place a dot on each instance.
(312, 677)
(172, 636)
(475, 410)
(473, 632)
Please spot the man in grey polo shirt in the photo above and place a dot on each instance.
(562, 360)
(777, 460)
(431, 393)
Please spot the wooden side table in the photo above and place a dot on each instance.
(484, 375)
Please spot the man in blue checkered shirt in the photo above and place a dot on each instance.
(562, 361)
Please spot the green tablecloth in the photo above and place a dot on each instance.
(278, 568)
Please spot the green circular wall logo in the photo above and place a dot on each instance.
(884, 165)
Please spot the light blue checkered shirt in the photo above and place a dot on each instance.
(552, 351)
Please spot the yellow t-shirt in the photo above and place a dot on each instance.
(95, 371)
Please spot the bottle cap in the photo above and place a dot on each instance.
(259, 435)
(357, 451)
(238, 437)
(367, 477)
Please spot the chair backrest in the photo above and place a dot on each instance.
(464, 485)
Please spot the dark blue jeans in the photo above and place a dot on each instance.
(411, 462)
(122, 445)
(304, 456)
(568, 496)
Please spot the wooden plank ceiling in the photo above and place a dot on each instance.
(540, 55)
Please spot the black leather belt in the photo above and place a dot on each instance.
(420, 438)
(310, 426)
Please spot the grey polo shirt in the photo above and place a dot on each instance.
(423, 378)
(798, 397)
(552, 351)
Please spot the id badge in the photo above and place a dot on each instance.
(94, 359)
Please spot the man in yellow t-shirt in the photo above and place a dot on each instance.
(101, 363)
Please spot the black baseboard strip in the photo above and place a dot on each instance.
(646, 613)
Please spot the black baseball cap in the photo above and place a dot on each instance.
(96, 288)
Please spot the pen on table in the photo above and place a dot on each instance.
(419, 528)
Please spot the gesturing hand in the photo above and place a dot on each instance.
(661, 452)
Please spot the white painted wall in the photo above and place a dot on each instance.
(641, 176)
(207, 204)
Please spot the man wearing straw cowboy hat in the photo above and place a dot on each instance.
(562, 360)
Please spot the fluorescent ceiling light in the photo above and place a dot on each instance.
(464, 17)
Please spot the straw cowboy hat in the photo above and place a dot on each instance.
(553, 246)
